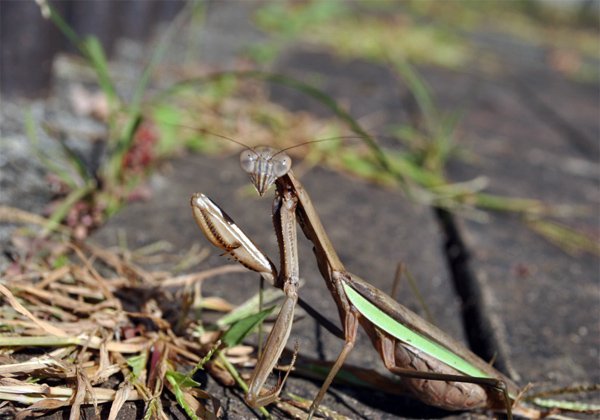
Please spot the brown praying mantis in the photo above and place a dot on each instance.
(436, 368)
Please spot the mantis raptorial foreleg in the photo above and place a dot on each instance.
(223, 233)
(220, 229)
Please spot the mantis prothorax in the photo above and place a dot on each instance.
(436, 368)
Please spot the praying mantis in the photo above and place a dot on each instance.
(436, 368)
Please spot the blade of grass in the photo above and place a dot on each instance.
(62, 25)
(510, 204)
(63, 209)
(81, 340)
(238, 379)
(137, 364)
(50, 164)
(158, 53)
(177, 381)
(72, 156)
(295, 84)
(91, 49)
(564, 237)
(14, 215)
(324, 411)
(94, 52)
(17, 306)
(249, 307)
(61, 393)
(421, 93)
(205, 360)
(240, 329)
(574, 406)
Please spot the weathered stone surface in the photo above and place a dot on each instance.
(545, 301)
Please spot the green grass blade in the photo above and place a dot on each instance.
(240, 329)
(295, 84)
(203, 361)
(73, 157)
(569, 240)
(250, 307)
(63, 209)
(238, 379)
(330, 103)
(510, 204)
(567, 405)
(92, 51)
(179, 396)
(137, 364)
(64, 27)
(421, 93)
(156, 57)
(95, 54)
(50, 164)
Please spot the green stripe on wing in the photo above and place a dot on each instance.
(408, 336)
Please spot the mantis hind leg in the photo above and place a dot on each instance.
(350, 330)
(386, 347)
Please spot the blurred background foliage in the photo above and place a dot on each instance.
(437, 32)
(203, 104)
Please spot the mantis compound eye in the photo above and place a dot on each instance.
(248, 160)
(281, 164)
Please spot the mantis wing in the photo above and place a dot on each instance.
(411, 329)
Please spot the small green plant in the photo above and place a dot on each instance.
(133, 146)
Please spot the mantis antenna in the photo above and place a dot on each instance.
(265, 164)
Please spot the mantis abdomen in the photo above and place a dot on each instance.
(446, 395)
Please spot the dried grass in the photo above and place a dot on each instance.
(67, 339)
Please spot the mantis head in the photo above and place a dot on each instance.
(264, 165)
